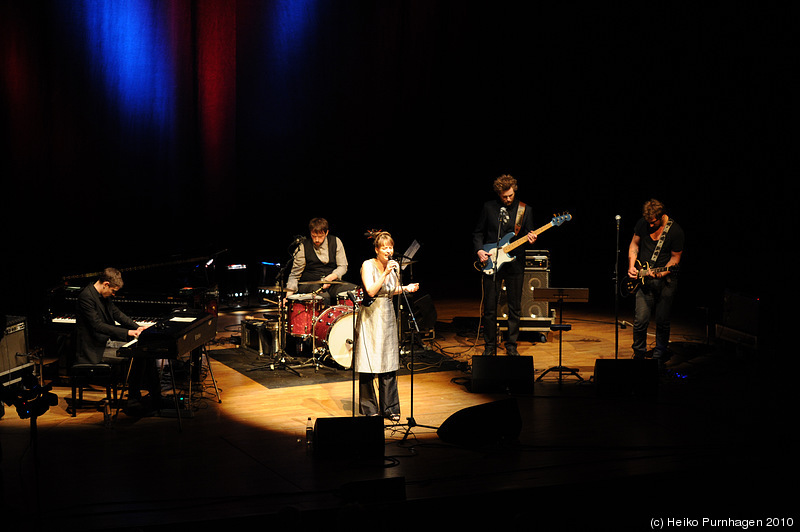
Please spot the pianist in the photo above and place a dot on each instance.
(98, 321)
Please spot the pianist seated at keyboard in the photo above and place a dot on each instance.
(99, 323)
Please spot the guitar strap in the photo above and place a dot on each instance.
(660, 243)
(518, 221)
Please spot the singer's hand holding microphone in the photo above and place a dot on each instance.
(394, 266)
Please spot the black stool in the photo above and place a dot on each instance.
(83, 374)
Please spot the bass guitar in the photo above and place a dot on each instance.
(499, 252)
(630, 285)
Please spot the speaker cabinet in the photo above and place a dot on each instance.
(626, 378)
(489, 423)
(13, 343)
(424, 312)
(349, 437)
(534, 315)
(531, 309)
(502, 374)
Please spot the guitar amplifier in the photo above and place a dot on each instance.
(534, 315)
(14, 350)
(537, 259)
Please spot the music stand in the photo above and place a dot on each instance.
(559, 295)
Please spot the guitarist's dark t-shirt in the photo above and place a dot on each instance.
(672, 243)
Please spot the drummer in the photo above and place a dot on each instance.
(319, 265)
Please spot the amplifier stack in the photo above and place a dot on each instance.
(535, 315)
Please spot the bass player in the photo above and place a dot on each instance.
(498, 217)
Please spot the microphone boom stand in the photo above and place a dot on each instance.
(616, 295)
(411, 421)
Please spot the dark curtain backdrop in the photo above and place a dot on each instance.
(138, 130)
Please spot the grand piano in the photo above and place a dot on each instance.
(152, 294)
(151, 291)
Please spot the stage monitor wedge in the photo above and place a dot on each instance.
(349, 437)
(502, 374)
(486, 424)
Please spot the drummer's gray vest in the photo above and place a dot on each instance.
(316, 269)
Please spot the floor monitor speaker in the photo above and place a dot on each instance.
(493, 374)
(488, 423)
(349, 437)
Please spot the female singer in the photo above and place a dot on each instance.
(377, 349)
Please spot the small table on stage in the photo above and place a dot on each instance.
(559, 295)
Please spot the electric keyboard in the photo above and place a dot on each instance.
(70, 319)
(178, 334)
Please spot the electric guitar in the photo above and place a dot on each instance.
(499, 252)
(630, 286)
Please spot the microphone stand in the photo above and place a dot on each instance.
(502, 218)
(356, 323)
(616, 295)
(411, 421)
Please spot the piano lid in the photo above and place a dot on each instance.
(152, 290)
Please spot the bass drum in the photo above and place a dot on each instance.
(334, 330)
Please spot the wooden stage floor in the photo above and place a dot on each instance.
(709, 444)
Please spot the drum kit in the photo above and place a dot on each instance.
(305, 318)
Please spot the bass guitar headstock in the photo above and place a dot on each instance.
(560, 219)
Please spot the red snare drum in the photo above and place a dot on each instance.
(303, 310)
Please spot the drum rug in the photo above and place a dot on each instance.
(271, 372)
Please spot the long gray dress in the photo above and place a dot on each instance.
(376, 348)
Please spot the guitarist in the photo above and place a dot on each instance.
(657, 243)
(499, 217)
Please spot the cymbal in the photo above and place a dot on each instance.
(272, 288)
(321, 282)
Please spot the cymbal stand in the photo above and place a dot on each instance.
(279, 357)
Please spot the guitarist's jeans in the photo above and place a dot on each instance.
(654, 299)
(491, 292)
